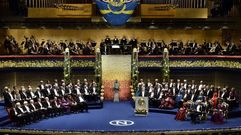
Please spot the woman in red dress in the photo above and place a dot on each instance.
(218, 116)
(214, 100)
(181, 114)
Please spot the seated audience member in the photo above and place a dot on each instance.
(20, 116)
(219, 113)
(49, 109)
(38, 93)
(214, 100)
(198, 114)
(30, 93)
(167, 102)
(181, 114)
(54, 92)
(62, 91)
(72, 103)
(42, 110)
(23, 93)
(64, 104)
(141, 88)
(82, 105)
(11, 45)
(93, 91)
(28, 112)
(57, 109)
(232, 99)
(33, 109)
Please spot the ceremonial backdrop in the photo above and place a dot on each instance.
(116, 67)
(117, 12)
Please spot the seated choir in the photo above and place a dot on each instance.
(48, 100)
(177, 47)
(49, 47)
(196, 101)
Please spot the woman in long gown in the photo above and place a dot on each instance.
(181, 114)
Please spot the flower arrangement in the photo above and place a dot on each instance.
(44, 64)
(199, 63)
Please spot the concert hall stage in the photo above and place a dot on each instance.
(99, 120)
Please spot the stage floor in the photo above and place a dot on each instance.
(98, 120)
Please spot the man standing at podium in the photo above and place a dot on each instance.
(116, 91)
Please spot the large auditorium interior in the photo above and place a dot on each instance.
(143, 67)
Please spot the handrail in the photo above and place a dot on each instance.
(43, 56)
(194, 56)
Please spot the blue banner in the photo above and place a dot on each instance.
(117, 12)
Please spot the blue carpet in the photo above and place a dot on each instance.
(98, 120)
(3, 112)
(2, 103)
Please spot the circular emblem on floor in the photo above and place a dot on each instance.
(121, 123)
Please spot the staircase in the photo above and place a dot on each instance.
(116, 67)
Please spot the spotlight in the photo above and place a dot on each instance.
(224, 27)
(43, 27)
(153, 26)
(169, 28)
(206, 28)
(188, 28)
(6, 27)
(60, 28)
(78, 28)
(23, 27)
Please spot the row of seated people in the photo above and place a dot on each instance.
(49, 47)
(32, 111)
(176, 47)
(195, 101)
(124, 45)
(168, 95)
(80, 92)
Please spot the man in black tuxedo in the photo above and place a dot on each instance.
(34, 110)
(123, 44)
(41, 86)
(38, 93)
(116, 41)
(57, 109)
(107, 40)
(30, 93)
(23, 93)
(41, 109)
(133, 42)
(210, 91)
(46, 104)
(54, 92)
(20, 116)
(108, 44)
(76, 91)
(8, 97)
(81, 103)
(93, 91)
(47, 91)
(62, 91)
(28, 112)
(224, 94)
